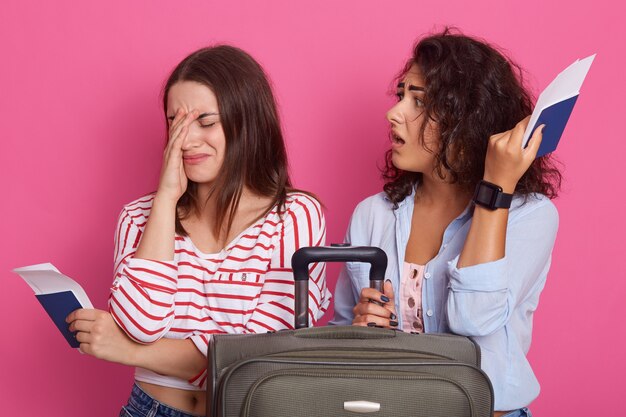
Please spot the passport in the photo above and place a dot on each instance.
(555, 105)
(58, 294)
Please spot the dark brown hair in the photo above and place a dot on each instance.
(255, 150)
(472, 91)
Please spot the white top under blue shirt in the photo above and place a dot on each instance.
(492, 302)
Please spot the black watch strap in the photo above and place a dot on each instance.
(491, 196)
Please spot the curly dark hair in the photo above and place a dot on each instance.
(472, 91)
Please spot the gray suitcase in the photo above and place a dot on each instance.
(345, 370)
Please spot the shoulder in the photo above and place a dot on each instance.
(301, 203)
(374, 206)
(373, 221)
(138, 210)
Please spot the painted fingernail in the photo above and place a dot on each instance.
(384, 298)
(393, 316)
(372, 324)
(393, 323)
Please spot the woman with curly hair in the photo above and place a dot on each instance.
(465, 216)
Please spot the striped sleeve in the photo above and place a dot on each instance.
(142, 294)
(304, 225)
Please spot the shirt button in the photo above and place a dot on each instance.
(417, 325)
(411, 302)
(414, 274)
(429, 313)
(427, 275)
(244, 277)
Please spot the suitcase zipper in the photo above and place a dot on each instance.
(391, 375)
(228, 372)
(413, 353)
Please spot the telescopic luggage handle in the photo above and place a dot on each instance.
(301, 259)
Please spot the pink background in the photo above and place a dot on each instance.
(82, 134)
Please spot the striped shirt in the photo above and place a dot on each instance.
(248, 287)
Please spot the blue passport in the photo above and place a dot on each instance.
(58, 294)
(58, 306)
(554, 118)
(555, 104)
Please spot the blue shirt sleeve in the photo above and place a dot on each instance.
(481, 298)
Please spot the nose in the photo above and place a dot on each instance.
(394, 115)
(193, 138)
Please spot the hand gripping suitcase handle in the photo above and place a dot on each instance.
(301, 259)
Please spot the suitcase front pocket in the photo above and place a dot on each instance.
(350, 392)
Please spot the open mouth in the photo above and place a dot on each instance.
(396, 139)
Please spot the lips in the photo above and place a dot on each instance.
(396, 140)
(195, 159)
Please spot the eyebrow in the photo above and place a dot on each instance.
(203, 115)
(411, 87)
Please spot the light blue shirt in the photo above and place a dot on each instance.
(492, 302)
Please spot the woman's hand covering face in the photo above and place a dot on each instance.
(173, 181)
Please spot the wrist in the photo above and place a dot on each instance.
(506, 185)
(491, 196)
(133, 355)
(165, 200)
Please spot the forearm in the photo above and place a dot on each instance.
(486, 238)
(505, 163)
(173, 357)
(481, 298)
(478, 302)
(157, 242)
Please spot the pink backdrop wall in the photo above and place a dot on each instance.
(82, 133)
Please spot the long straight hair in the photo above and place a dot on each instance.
(255, 156)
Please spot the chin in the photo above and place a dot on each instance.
(199, 175)
(203, 180)
(405, 165)
(200, 178)
(397, 162)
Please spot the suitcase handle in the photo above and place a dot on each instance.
(342, 252)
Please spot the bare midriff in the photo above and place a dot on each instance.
(192, 402)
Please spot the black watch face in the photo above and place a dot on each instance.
(486, 194)
(490, 196)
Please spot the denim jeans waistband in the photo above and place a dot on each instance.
(141, 404)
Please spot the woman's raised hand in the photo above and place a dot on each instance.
(381, 313)
(506, 161)
(173, 181)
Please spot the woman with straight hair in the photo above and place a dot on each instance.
(465, 216)
(210, 251)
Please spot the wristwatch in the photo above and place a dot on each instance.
(491, 196)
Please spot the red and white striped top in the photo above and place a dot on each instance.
(248, 287)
